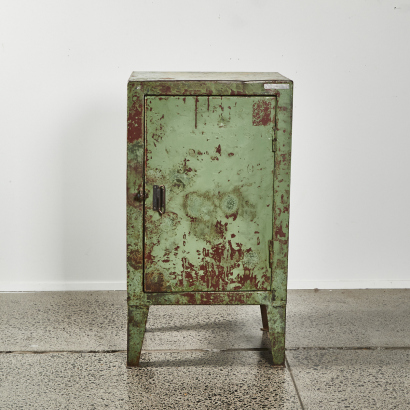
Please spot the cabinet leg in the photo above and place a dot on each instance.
(264, 314)
(277, 324)
(137, 319)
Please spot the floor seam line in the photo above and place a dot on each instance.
(292, 349)
(263, 349)
(294, 383)
(251, 349)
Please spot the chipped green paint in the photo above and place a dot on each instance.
(277, 320)
(137, 319)
(218, 167)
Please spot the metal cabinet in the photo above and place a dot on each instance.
(208, 177)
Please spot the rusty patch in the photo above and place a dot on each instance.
(134, 185)
(262, 113)
(219, 262)
(164, 88)
(134, 258)
(135, 123)
(279, 232)
(220, 228)
(154, 281)
(209, 298)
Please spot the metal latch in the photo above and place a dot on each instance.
(158, 199)
(141, 195)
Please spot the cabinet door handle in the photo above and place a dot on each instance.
(158, 198)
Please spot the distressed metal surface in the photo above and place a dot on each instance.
(199, 87)
(277, 326)
(208, 298)
(282, 195)
(202, 298)
(214, 155)
(205, 76)
(136, 93)
(137, 320)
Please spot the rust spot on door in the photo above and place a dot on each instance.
(262, 113)
(154, 281)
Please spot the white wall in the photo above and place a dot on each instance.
(64, 66)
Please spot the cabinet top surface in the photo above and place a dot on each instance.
(205, 76)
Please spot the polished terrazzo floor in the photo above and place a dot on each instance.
(66, 350)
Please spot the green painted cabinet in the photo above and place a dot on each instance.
(208, 177)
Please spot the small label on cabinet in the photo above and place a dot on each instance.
(276, 86)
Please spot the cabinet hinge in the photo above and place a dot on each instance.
(270, 244)
(274, 142)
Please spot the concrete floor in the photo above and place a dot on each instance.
(66, 350)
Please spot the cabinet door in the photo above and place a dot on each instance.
(214, 157)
